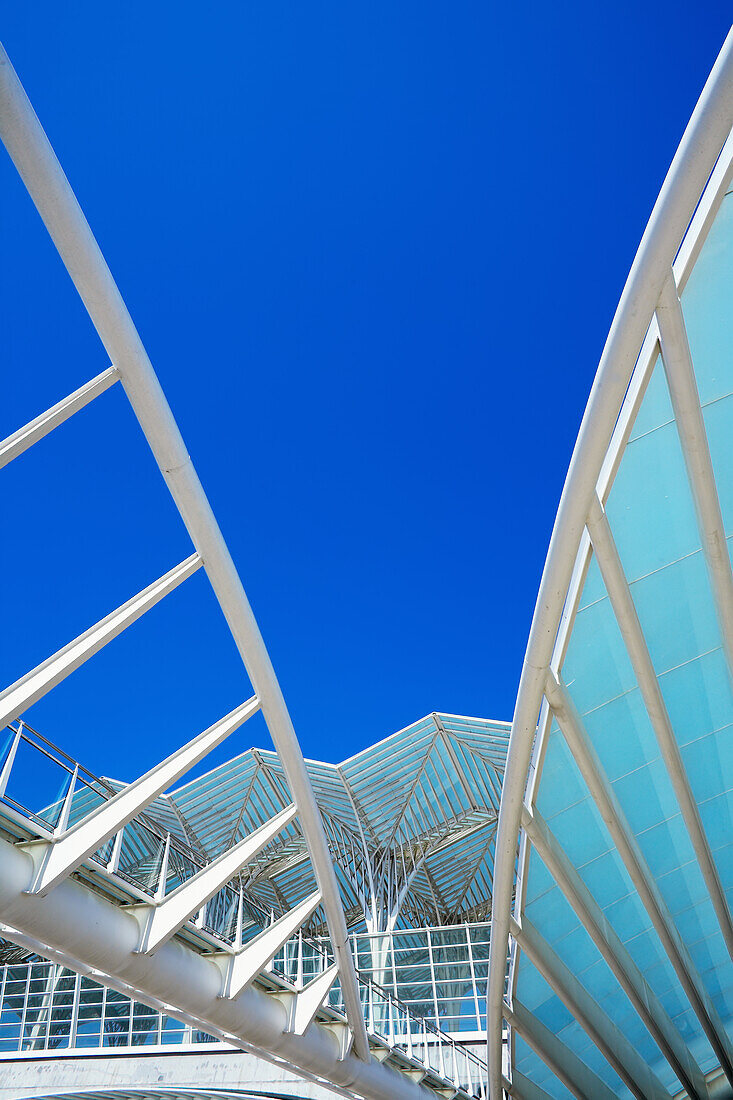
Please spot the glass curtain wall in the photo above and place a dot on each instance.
(439, 974)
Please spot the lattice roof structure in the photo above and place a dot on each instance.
(411, 823)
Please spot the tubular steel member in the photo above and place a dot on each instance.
(51, 192)
(91, 934)
(703, 139)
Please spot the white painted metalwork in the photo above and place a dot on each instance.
(408, 852)
(243, 966)
(567, 1067)
(644, 882)
(603, 434)
(47, 185)
(25, 437)
(56, 859)
(309, 1000)
(616, 954)
(628, 1063)
(688, 415)
(170, 947)
(160, 921)
(35, 684)
(622, 602)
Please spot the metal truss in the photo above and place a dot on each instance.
(410, 823)
(648, 324)
(50, 894)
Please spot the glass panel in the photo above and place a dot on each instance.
(652, 517)
(37, 783)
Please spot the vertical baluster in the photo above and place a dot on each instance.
(75, 1010)
(8, 765)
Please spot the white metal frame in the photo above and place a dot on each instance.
(47, 185)
(657, 276)
(140, 954)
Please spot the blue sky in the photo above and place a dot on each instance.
(373, 251)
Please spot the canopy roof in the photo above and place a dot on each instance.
(411, 822)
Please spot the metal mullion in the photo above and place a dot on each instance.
(475, 869)
(571, 1070)
(394, 969)
(433, 810)
(632, 402)
(683, 391)
(477, 765)
(444, 776)
(704, 215)
(74, 1024)
(436, 778)
(523, 1088)
(627, 618)
(615, 1047)
(573, 730)
(616, 954)
(453, 757)
(408, 797)
(51, 192)
(46, 1005)
(473, 977)
(431, 958)
(102, 1019)
(25, 1003)
(704, 137)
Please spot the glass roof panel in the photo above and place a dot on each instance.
(652, 518)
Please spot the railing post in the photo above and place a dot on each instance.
(473, 977)
(114, 859)
(299, 962)
(75, 1010)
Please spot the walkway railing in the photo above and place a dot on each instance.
(43, 792)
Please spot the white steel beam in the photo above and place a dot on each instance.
(693, 437)
(523, 1089)
(9, 760)
(578, 1077)
(703, 139)
(609, 944)
(343, 1035)
(614, 818)
(310, 999)
(87, 932)
(35, 684)
(55, 860)
(704, 215)
(612, 1043)
(36, 162)
(161, 921)
(243, 967)
(627, 618)
(39, 427)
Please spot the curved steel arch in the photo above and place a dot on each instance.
(160, 967)
(31, 152)
(644, 293)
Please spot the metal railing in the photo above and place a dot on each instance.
(43, 791)
(47, 1007)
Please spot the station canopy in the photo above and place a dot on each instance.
(411, 824)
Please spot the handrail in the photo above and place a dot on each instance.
(44, 178)
(371, 990)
